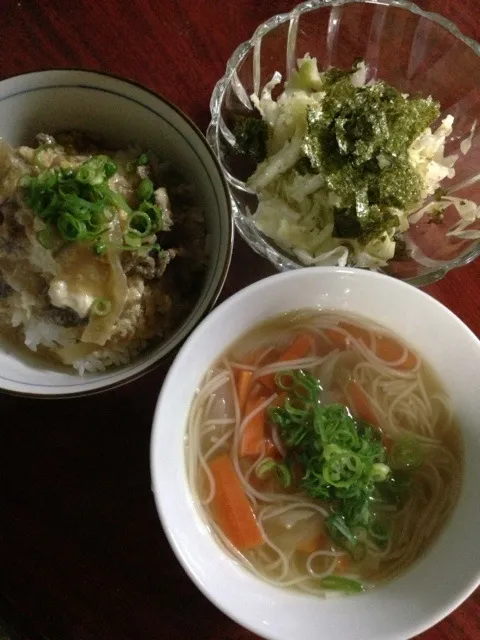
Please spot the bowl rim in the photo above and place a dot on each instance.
(179, 548)
(265, 246)
(230, 235)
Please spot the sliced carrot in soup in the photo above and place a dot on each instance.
(390, 350)
(360, 404)
(243, 380)
(253, 436)
(232, 510)
(356, 332)
(299, 348)
(386, 347)
(341, 341)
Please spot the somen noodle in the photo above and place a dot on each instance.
(323, 453)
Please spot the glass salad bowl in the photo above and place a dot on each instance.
(417, 53)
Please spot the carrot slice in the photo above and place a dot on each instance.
(243, 379)
(309, 545)
(253, 435)
(298, 349)
(360, 404)
(340, 340)
(386, 348)
(356, 332)
(231, 507)
(390, 350)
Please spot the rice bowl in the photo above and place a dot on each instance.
(85, 250)
(118, 116)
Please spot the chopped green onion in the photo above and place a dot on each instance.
(79, 203)
(110, 168)
(71, 228)
(145, 189)
(36, 157)
(339, 531)
(406, 454)
(65, 175)
(302, 384)
(138, 162)
(338, 583)
(264, 468)
(284, 380)
(155, 214)
(140, 224)
(25, 181)
(68, 187)
(380, 472)
(269, 465)
(284, 474)
(101, 307)
(132, 240)
(113, 198)
(94, 171)
(154, 247)
(45, 238)
(100, 248)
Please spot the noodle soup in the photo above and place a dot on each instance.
(323, 453)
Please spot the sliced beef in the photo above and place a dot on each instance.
(151, 267)
(5, 289)
(64, 317)
(13, 239)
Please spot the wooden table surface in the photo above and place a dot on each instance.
(82, 552)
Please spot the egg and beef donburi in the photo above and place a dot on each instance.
(323, 453)
(100, 252)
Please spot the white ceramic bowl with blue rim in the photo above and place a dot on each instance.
(440, 579)
(121, 113)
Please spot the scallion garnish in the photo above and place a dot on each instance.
(145, 189)
(269, 465)
(96, 170)
(140, 224)
(100, 248)
(132, 240)
(81, 205)
(45, 238)
(155, 214)
(343, 460)
(338, 583)
(71, 228)
(406, 454)
(138, 162)
(101, 307)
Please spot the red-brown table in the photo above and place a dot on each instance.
(82, 552)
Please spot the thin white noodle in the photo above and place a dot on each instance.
(323, 574)
(278, 443)
(203, 461)
(243, 367)
(404, 405)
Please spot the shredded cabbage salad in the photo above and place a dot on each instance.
(334, 183)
